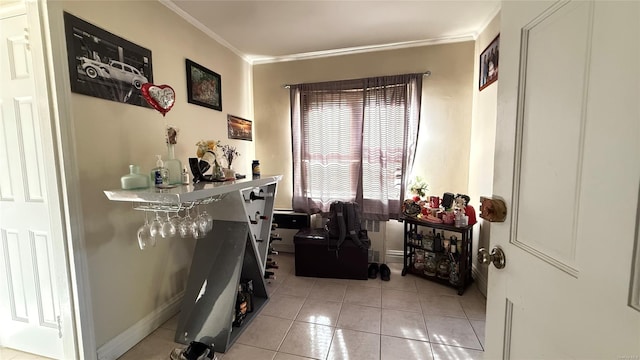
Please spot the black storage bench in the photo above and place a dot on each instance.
(314, 257)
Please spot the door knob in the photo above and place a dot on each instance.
(496, 257)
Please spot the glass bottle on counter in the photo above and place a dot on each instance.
(134, 180)
(174, 166)
(255, 169)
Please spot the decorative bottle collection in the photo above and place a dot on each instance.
(435, 255)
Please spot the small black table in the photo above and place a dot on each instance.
(411, 225)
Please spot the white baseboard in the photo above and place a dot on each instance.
(394, 256)
(122, 343)
(481, 280)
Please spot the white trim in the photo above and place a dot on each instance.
(127, 339)
(394, 256)
(55, 55)
(200, 26)
(361, 49)
(488, 21)
(325, 53)
(480, 279)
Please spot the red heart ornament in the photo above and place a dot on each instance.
(160, 97)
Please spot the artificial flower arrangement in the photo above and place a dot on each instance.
(206, 145)
(229, 153)
(419, 187)
(208, 151)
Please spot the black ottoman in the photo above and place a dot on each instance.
(314, 258)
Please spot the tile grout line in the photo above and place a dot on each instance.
(472, 328)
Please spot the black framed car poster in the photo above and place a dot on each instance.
(104, 65)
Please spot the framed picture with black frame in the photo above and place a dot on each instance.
(104, 65)
(204, 87)
(489, 64)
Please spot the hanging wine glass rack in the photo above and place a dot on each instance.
(174, 208)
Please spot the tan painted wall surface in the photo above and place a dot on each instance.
(443, 155)
(483, 134)
(128, 284)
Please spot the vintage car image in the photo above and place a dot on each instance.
(115, 70)
(104, 65)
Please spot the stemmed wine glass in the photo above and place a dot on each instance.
(185, 225)
(144, 234)
(156, 226)
(175, 220)
(205, 221)
(194, 228)
(167, 229)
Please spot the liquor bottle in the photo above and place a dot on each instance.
(255, 169)
(430, 264)
(241, 307)
(444, 265)
(454, 270)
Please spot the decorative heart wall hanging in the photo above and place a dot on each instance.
(160, 97)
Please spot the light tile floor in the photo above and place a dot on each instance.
(405, 318)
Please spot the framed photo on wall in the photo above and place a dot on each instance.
(239, 128)
(489, 64)
(104, 65)
(204, 87)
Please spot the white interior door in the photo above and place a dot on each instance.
(30, 286)
(567, 164)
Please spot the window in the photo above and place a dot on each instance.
(353, 140)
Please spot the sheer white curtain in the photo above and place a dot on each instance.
(354, 140)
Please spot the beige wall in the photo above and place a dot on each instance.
(443, 150)
(128, 284)
(483, 134)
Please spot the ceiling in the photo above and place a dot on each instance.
(267, 31)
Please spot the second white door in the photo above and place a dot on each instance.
(567, 164)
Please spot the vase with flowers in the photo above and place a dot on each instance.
(173, 165)
(229, 153)
(418, 187)
(206, 152)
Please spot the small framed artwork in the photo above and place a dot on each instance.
(489, 64)
(204, 87)
(104, 65)
(239, 128)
